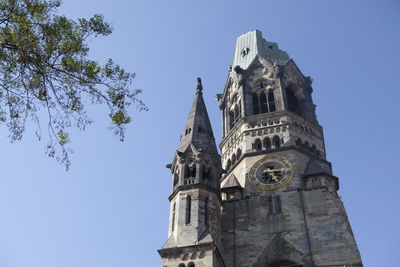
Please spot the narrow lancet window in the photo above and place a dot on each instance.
(271, 101)
(278, 204)
(270, 206)
(263, 103)
(292, 101)
(176, 178)
(188, 209)
(256, 109)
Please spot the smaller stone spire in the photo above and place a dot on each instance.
(198, 131)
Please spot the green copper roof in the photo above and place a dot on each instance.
(251, 44)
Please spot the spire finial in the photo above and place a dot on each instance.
(199, 87)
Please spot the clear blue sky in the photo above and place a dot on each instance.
(111, 208)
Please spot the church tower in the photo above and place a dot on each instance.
(194, 226)
(280, 202)
(270, 199)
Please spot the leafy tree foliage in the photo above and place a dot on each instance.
(45, 70)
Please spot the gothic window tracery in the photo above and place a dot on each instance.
(263, 102)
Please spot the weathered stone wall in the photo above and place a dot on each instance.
(254, 234)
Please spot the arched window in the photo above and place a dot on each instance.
(267, 143)
(263, 103)
(238, 153)
(276, 141)
(181, 265)
(292, 101)
(231, 119)
(228, 164)
(233, 158)
(188, 209)
(191, 264)
(176, 178)
(256, 108)
(257, 144)
(236, 114)
(190, 170)
(271, 101)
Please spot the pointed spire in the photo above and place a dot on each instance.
(198, 131)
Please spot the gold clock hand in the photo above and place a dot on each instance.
(274, 170)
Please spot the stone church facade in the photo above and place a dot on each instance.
(270, 199)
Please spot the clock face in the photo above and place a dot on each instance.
(270, 173)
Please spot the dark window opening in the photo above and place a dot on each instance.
(267, 143)
(276, 141)
(231, 119)
(271, 101)
(206, 173)
(306, 146)
(298, 142)
(263, 103)
(191, 264)
(176, 178)
(233, 158)
(292, 101)
(313, 149)
(228, 164)
(188, 209)
(257, 144)
(256, 109)
(238, 153)
(190, 170)
(270, 206)
(278, 204)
